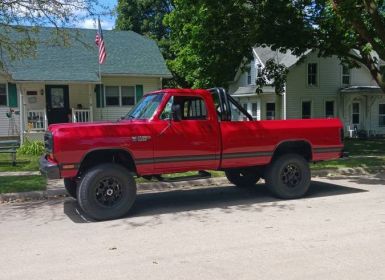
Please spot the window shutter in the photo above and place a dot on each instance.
(138, 92)
(12, 95)
(99, 90)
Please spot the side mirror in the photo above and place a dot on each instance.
(176, 112)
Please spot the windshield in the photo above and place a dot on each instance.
(146, 107)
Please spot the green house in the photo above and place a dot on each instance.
(67, 84)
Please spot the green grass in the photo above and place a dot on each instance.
(23, 163)
(362, 153)
(10, 184)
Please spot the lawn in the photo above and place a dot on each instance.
(23, 163)
(362, 153)
(9, 184)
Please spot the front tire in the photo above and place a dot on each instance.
(242, 178)
(288, 176)
(107, 191)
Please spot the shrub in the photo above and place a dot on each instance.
(31, 148)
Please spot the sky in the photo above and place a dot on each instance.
(107, 22)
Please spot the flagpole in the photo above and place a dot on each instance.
(100, 92)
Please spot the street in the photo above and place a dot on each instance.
(213, 232)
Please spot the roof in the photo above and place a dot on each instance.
(361, 89)
(265, 53)
(251, 90)
(128, 53)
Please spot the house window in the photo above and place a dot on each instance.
(249, 77)
(3, 95)
(270, 111)
(128, 95)
(112, 96)
(356, 113)
(345, 75)
(312, 74)
(381, 114)
(120, 95)
(329, 109)
(306, 109)
(254, 109)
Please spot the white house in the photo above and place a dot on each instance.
(316, 88)
(65, 84)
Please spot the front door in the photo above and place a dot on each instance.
(57, 101)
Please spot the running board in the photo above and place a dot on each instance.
(201, 175)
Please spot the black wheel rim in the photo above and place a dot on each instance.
(109, 191)
(291, 175)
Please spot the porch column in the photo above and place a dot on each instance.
(259, 113)
(21, 112)
(90, 102)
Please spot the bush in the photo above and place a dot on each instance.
(31, 148)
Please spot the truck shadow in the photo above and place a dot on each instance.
(223, 197)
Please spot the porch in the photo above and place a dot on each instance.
(42, 105)
(363, 111)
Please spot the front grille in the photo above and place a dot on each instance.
(48, 142)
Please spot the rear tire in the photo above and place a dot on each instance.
(107, 191)
(288, 176)
(242, 177)
(71, 186)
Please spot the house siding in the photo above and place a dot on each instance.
(329, 84)
(116, 112)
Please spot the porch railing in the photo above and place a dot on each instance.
(82, 115)
(37, 120)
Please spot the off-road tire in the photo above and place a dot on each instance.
(242, 178)
(71, 186)
(288, 176)
(104, 184)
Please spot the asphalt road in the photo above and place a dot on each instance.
(214, 232)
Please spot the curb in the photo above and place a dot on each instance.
(57, 189)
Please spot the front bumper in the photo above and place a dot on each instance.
(48, 168)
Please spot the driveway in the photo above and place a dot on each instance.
(213, 232)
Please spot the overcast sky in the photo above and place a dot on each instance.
(107, 22)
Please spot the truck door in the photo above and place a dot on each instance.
(190, 141)
(244, 142)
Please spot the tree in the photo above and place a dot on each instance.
(144, 17)
(354, 30)
(20, 21)
(206, 39)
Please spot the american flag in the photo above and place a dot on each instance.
(100, 43)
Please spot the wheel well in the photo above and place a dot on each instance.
(118, 156)
(302, 148)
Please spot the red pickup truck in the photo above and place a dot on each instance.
(178, 130)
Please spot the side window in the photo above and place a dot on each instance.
(166, 114)
(192, 107)
(236, 114)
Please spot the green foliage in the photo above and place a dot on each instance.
(207, 40)
(274, 74)
(144, 17)
(31, 148)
